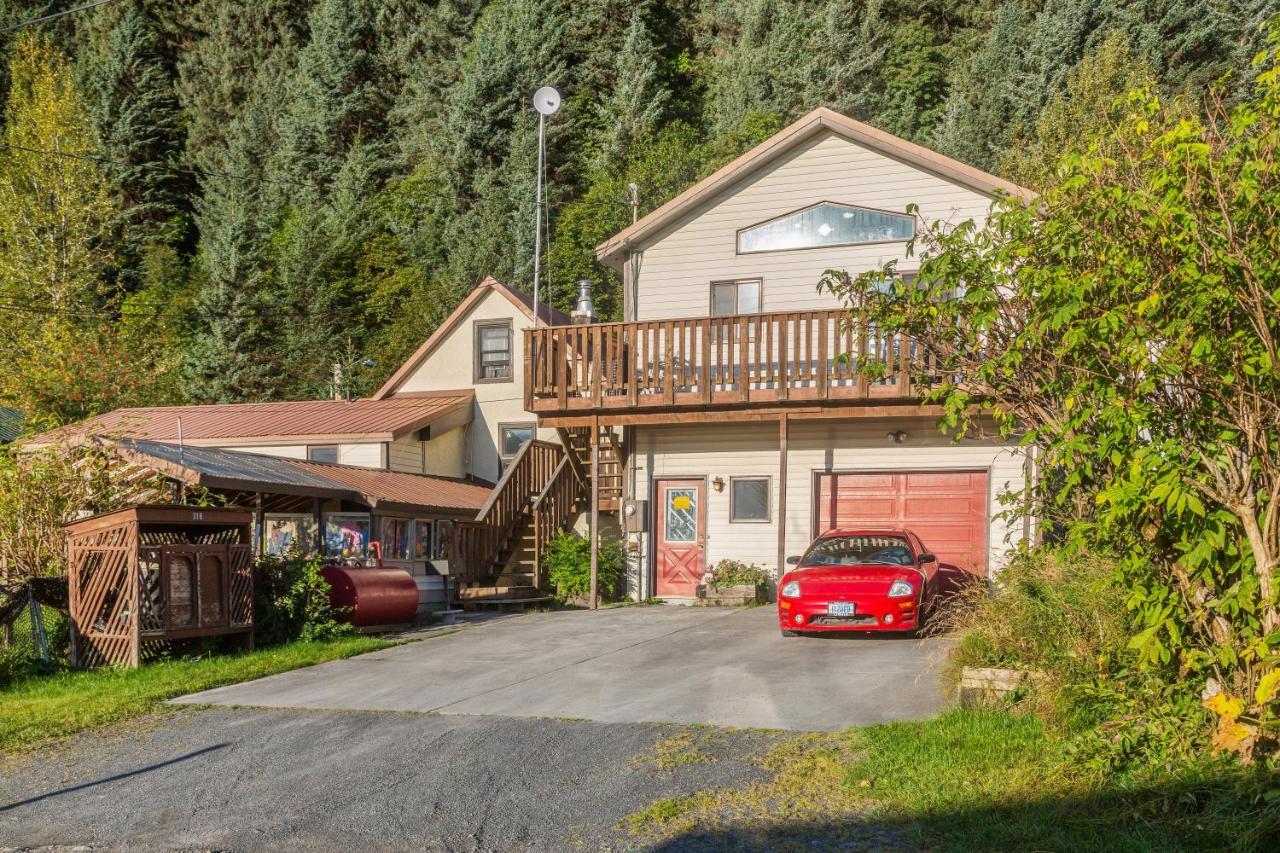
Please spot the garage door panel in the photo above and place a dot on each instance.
(947, 509)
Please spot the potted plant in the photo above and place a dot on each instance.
(734, 582)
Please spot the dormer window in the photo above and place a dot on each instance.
(826, 224)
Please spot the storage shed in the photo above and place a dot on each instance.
(148, 574)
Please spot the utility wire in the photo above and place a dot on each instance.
(186, 170)
(51, 16)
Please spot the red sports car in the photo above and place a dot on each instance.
(858, 580)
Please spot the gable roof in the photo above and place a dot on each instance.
(548, 314)
(307, 420)
(375, 488)
(821, 120)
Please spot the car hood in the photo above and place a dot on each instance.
(857, 579)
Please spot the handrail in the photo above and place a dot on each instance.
(517, 463)
(701, 362)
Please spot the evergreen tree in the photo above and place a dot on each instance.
(230, 356)
(335, 94)
(128, 76)
(635, 106)
(1092, 100)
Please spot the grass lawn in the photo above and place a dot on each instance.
(967, 780)
(41, 707)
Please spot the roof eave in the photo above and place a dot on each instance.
(612, 252)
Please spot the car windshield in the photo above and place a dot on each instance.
(859, 550)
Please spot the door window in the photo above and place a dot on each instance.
(682, 515)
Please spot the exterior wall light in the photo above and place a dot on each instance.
(897, 436)
(718, 484)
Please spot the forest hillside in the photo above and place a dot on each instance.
(215, 200)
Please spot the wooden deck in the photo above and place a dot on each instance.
(708, 364)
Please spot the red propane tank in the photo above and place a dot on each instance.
(376, 595)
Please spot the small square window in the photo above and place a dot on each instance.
(749, 499)
(323, 453)
(514, 437)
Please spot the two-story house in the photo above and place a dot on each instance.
(743, 431)
(720, 419)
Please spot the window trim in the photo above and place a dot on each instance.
(337, 453)
(476, 326)
(768, 502)
(532, 426)
(737, 235)
(711, 294)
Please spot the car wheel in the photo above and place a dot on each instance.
(787, 633)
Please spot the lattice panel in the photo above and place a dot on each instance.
(150, 592)
(102, 606)
(241, 586)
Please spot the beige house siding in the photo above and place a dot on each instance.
(285, 451)
(361, 454)
(451, 365)
(405, 454)
(446, 454)
(751, 449)
(678, 266)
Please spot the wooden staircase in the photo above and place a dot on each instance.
(498, 555)
(577, 440)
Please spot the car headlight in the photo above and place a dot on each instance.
(791, 589)
(900, 589)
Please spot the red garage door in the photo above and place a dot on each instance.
(946, 509)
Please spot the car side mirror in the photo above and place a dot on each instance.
(793, 560)
(928, 558)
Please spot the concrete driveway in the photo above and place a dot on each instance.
(724, 667)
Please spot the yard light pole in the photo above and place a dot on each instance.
(546, 101)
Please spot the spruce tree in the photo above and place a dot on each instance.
(635, 106)
(128, 75)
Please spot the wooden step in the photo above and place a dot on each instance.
(514, 579)
(479, 593)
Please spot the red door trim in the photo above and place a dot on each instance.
(655, 506)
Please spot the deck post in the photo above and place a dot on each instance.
(595, 511)
(783, 424)
(318, 542)
(260, 533)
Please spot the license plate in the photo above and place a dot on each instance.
(840, 608)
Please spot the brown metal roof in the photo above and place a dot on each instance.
(309, 420)
(254, 472)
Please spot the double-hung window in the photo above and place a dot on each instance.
(733, 297)
(493, 351)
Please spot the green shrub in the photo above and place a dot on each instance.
(291, 602)
(567, 562)
(736, 573)
(1065, 620)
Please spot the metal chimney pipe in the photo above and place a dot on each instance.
(585, 310)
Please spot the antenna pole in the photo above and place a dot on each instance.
(537, 216)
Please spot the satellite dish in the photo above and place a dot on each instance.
(546, 100)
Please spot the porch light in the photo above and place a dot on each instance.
(718, 484)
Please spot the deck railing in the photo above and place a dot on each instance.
(714, 361)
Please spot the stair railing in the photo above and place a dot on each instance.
(482, 542)
(552, 510)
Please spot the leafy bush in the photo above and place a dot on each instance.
(567, 563)
(736, 573)
(1064, 618)
(291, 602)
